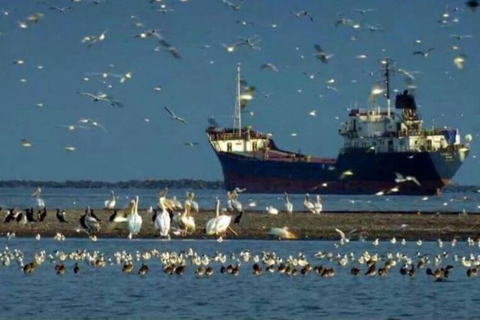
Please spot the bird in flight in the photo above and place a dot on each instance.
(321, 54)
(191, 144)
(363, 11)
(424, 53)
(303, 13)
(234, 6)
(173, 116)
(171, 49)
(100, 96)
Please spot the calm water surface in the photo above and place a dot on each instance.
(107, 293)
(80, 198)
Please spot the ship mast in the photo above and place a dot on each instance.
(386, 62)
(237, 117)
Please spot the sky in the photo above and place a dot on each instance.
(46, 66)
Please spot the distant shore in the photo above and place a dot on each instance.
(256, 225)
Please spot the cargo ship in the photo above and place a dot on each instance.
(385, 151)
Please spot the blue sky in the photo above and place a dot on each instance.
(201, 83)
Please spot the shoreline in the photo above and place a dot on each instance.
(255, 225)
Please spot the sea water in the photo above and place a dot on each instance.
(81, 198)
(107, 293)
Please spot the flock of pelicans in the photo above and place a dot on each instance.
(324, 264)
(169, 216)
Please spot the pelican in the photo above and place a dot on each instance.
(185, 221)
(110, 204)
(219, 224)
(162, 220)
(308, 204)
(37, 193)
(134, 220)
(318, 205)
(90, 222)
(283, 233)
(288, 204)
(272, 210)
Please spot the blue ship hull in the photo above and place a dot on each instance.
(353, 172)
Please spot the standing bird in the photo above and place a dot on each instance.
(318, 205)
(61, 216)
(110, 204)
(162, 220)
(90, 222)
(308, 204)
(37, 193)
(134, 220)
(219, 224)
(288, 204)
(234, 205)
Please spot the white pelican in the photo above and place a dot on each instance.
(37, 193)
(219, 224)
(283, 233)
(272, 210)
(233, 203)
(288, 204)
(185, 221)
(318, 205)
(162, 221)
(308, 204)
(110, 204)
(134, 220)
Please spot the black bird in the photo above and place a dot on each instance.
(29, 214)
(76, 268)
(472, 4)
(61, 216)
(11, 215)
(154, 216)
(42, 214)
(238, 218)
(93, 215)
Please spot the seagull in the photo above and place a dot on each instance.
(311, 76)
(321, 54)
(171, 49)
(459, 61)
(302, 13)
(460, 36)
(424, 53)
(92, 122)
(269, 66)
(191, 144)
(363, 11)
(400, 178)
(91, 40)
(100, 96)
(173, 116)
(26, 143)
(59, 9)
(283, 233)
(232, 5)
(150, 33)
(346, 174)
(343, 239)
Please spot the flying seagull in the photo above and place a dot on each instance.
(174, 116)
